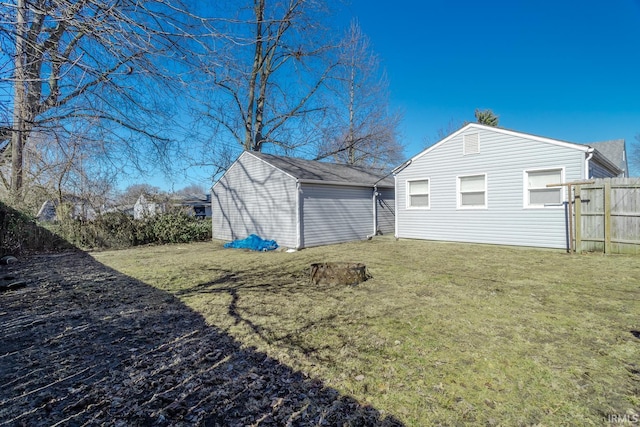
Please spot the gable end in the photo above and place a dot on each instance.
(478, 127)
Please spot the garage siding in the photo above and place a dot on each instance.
(335, 215)
(253, 197)
(386, 211)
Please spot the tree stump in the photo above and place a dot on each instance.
(338, 273)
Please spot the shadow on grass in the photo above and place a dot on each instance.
(84, 344)
(235, 285)
(19, 235)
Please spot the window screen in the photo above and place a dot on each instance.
(473, 191)
(538, 192)
(418, 193)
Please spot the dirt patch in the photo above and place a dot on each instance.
(83, 344)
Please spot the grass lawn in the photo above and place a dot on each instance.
(443, 333)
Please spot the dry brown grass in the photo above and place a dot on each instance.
(443, 333)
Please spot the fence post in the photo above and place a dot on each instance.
(578, 221)
(571, 246)
(607, 216)
(566, 226)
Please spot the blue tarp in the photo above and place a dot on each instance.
(254, 243)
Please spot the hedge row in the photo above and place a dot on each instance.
(20, 234)
(118, 230)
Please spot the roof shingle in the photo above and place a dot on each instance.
(613, 150)
(313, 170)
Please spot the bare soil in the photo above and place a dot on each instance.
(83, 344)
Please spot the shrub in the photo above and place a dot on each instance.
(19, 234)
(116, 230)
(178, 227)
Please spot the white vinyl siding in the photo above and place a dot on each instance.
(504, 156)
(385, 211)
(333, 215)
(418, 194)
(537, 194)
(472, 192)
(256, 197)
(253, 197)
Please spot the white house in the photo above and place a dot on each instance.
(198, 205)
(148, 206)
(300, 203)
(489, 185)
(78, 208)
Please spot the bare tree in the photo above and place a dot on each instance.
(363, 129)
(131, 194)
(60, 166)
(191, 190)
(443, 132)
(266, 75)
(96, 62)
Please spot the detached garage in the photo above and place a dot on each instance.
(301, 203)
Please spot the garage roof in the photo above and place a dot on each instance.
(313, 171)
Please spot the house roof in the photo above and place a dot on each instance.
(615, 151)
(313, 171)
(47, 211)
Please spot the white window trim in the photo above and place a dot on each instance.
(408, 194)
(459, 194)
(525, 188)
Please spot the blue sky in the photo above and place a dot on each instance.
(560, 69)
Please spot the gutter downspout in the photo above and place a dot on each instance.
(586, 162)
(395, 172)
(395, 207)
(299, 208)
(374, 199)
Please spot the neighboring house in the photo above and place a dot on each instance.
(196, 205)
(149, 205)
(124, 209)
(47, 212)
(615, 151)
(145, 206)
(78, 209)
(489, 185)
(300, 203)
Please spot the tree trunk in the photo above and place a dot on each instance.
(19, 109)
(352, 96)
(249, 124)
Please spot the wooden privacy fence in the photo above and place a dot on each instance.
(607, 216)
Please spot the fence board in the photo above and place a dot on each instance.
(608, 216)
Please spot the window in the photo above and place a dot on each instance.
(472, 191)
(470, 143)
(418, 194)
(537, 193)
